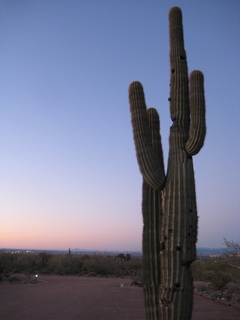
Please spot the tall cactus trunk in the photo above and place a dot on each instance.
(179, 232)
(169, 202)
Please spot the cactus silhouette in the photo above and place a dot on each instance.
(169, 201)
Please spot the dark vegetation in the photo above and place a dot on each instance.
(217, 272)
(83, 265)
(217, 279)
(214, 275)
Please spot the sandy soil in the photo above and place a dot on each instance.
(82, 298)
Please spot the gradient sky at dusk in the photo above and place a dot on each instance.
(68, 172)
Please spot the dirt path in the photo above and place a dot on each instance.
(70, 298)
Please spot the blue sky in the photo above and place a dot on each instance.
(68, 172)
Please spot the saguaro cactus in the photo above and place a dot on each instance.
(169, 201)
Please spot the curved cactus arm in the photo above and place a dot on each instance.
(197, 111)
(152, 222)
(154, 125)
(150, 165)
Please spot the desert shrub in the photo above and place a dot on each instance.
(134, 269)
(65, 265)
(128, 256)
(42, 260)
(232, 253)
(219, 280)
(15, 263)
(85, 257)
(109, 266)
(25, 263)
(138, 276)
(233, 287)
(203, 269)
(216, 271)
(69, 264)
(101, 265)
(7, 263)
(134, 264)
(198, 268)
(14, 279)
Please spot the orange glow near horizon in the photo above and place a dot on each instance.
(65, 236)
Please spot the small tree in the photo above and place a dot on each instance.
(232, 253)
(218, 280)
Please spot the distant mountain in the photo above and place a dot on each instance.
(207, 251)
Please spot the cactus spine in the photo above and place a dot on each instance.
(169, 201)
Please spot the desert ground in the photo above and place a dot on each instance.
(85, 298)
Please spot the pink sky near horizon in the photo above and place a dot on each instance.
(36, 235)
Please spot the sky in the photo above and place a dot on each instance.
(69, 177)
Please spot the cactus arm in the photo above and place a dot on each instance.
(152, 220)
(154, 125)
(197, 110)
(149, 163)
